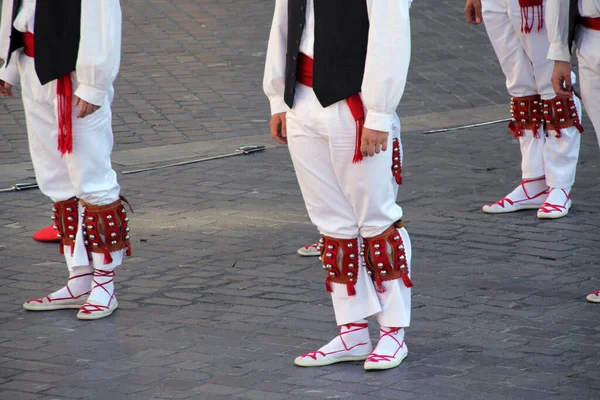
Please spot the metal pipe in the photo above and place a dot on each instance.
(457, 128)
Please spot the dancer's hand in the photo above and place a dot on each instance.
(85, 108)
(561, 78)
(373, 142)
(6, 89)
(279, 128)
(473, 12)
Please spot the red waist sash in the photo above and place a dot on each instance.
(590, 22)
(355, 104)
(64, 97)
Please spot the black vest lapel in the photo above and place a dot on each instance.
(573, 15)
(57, 36)
(16, 41)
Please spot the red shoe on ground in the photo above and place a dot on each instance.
(48, 234)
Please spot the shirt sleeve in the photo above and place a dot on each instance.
(10, 73)
(388, 58)
(99, 49)
(557, 22)
(274, 78)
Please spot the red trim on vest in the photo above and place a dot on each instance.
(531, 10)
(64, 97)
(355, 104)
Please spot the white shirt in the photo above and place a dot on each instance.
(99, 47)
(386, 68)
(557, 21)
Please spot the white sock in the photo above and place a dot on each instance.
(103, 287)
(351, 337)
(528, 189)
(79, 283)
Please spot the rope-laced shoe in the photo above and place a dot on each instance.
(530, 194)
(390, 350)
(352, 344)
(594, 297)
(556, 205)
(102, 301)
(73, 295)
(310, 250)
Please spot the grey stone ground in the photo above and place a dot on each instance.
(215, 303)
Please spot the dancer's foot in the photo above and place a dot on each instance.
(556, 205)
(73, 295)
(47, 234)
(102, 301)
(530, 194)
(310, 250)
(594, 297)
(390, 350)
(352, 344)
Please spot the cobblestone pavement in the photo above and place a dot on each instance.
(215, 304)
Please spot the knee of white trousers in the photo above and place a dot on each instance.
(396, 300)
(363, 304)
(532, 154)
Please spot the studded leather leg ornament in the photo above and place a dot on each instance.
(526, 115)
(66, 222)
(106, 229)
(560, 113)
(340, 260)
(385, 256)
(397, 161)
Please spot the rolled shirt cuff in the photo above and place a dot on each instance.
(559, 52)
(10, 74)
(379, 121)
(91, 94)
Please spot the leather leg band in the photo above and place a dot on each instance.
(340, 259)
(66, 222)
(106, 229)
(385, 256)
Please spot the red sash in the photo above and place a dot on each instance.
(355, 104)
(64, 96)
(590, 23)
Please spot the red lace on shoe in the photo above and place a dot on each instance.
(50, 299)
(596, 293)
(314, 354)
(502, 202)
(375, 358)
(89, 308)
(550, 208)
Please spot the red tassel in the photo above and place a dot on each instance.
(558, 134)
(379, 284)
(328, 284)
(64, 97)
(407, 282)
(516, 129)
(358, 156)
(579, 126)
(128, 252)
(62, 247)
(107, 257)
(350, 288)
(536, 133)
(527, 8)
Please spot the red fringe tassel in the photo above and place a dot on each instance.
(407, 282)
(107, 257)
(351, 289)
(64, 96)
(328, 284)
(530, 9)
(379, 284)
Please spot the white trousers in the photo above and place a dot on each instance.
(523, 59)
(86, 173)
(346, 200)
(588, 55)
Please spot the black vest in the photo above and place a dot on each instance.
(341, 37)
(573, 15)
(57, 35)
